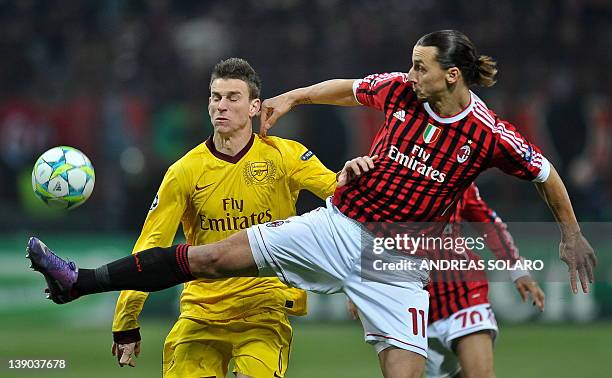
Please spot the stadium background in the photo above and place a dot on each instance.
(127, 83)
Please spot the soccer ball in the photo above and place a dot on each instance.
(63, 177)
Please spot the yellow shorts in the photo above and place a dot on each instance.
(259, 345)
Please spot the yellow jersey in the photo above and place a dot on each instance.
(215, 195)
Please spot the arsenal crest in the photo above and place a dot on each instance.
(259, 172)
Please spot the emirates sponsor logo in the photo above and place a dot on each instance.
(416, 161)
(236, 217)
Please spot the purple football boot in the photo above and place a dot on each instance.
(59, 274)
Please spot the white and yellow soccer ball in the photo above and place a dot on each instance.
(63, 177)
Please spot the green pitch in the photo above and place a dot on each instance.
(320, 350)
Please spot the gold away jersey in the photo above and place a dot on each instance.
(215, 195)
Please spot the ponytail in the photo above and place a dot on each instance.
(486, 71)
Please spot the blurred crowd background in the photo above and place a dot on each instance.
(127, 83)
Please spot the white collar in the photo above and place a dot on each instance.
(454, 118)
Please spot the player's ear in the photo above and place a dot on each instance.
(254, 107)
(453, 75)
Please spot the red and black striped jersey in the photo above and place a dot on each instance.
(427, 161)
(452, 291)
(473, 209)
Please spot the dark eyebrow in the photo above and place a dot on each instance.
(229, 94)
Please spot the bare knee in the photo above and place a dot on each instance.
(475, 354)
(400, 363)
(477, 371)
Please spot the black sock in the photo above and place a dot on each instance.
(149, 270)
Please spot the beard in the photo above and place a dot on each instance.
(420, 96)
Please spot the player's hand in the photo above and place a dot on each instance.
(271, 110)
(355, 168)
(526, 285)
(577, 253)
(352, 309)
(125, 353)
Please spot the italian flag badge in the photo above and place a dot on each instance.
(431, 133)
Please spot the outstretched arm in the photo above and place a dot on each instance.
(574, 249)
(518, 157)
(330, 92)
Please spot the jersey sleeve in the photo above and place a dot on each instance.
(375, 90)
(159, 230)
(486, 221)
(516, 156)
(306, 171)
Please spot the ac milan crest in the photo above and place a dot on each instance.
(463, 154)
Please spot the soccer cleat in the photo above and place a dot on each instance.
(60, 274)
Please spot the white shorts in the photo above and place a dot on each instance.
(320, 251)
(442, 361)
